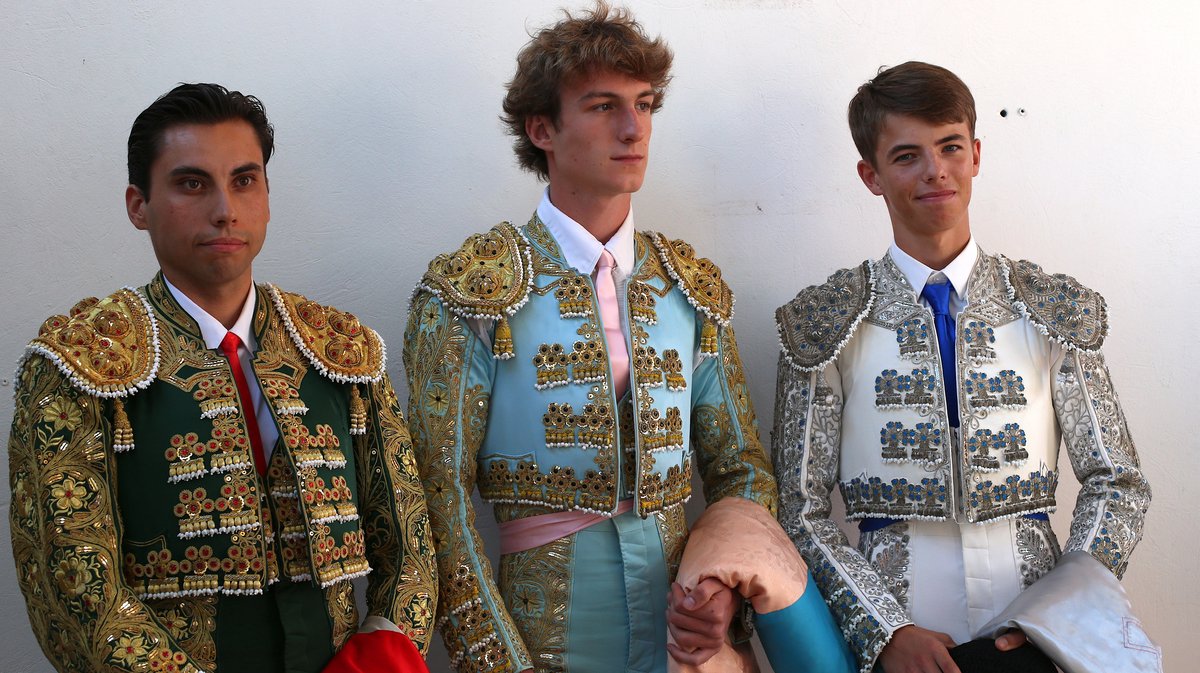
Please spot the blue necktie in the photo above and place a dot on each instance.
(938, 297)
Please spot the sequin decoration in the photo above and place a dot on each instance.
(1059, 305)
(815, 325)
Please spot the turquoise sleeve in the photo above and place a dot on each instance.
(803, 637)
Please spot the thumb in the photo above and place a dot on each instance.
(703, 593)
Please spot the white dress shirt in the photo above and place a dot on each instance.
(582, 250)
(957, 272)
(213, 332)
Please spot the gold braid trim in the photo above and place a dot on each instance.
(339, 346)
(698, 278)
(489, 277)
(105, 347)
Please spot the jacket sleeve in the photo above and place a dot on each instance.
(449, 380)
(807, 452)
(725, 430)
(1114, 494)
(66, 533)
(403, 586)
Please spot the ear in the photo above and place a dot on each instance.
(540, 130)
(975, 148)
(135, 206)
(870, 178)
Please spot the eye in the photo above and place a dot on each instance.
(645, 105)
(904, 158)
(951, 148)
(243, 180)
(191, 184)
(603, 107)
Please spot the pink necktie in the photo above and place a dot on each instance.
(229, 346)
(610, 318)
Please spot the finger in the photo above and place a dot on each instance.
(695, 658)
(703, 593)
(692, 633)
(676, 595)
(944, 638)
(944, 661)
(1011, 640)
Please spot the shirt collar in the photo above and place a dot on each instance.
(579, 247)
(958, 271)
(211, 329)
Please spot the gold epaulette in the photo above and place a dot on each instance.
(488, 277)
(105, 347)
(1060, 307)
(697, 277)
(339, 346)
(817, 324)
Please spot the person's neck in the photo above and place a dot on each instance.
(602, 216)
(937, 250)
(224, 302)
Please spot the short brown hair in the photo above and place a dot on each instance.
(927, 92)
(603, 39)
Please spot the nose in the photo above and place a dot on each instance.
(935, 168)
(224, 212)
(634, 125)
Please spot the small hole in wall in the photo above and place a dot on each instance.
(1021, 111)
(1004, 112)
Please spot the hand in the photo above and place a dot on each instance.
(1011, 640)
(913, 649)
(699, 619)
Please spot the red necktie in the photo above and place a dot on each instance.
(229, 348)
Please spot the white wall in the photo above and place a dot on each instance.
(390, 151)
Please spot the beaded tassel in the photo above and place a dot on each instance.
(358, 413)
(502, 342)
(708, 340)
(122, 430)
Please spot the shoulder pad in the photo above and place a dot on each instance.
(1061, 307)
(817, 324)
(339, 346)
(105, 347)
(697, 277)
(489, 276)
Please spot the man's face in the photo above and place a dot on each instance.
(923, 171)
(208, 214)
(601, 143)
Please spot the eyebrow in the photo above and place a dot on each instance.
(948, 139)
(612, 94)
(248, 167)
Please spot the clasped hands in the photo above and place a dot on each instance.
(699, 619)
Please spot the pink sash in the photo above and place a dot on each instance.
(535, 531)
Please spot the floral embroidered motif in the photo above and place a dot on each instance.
(1006, 390)
(873, 496)
(913, 337)
(551, 363)
(1038, 549)
(575, 297)
(536, 584)
(978, 338)
(1015, 495)
(672, 368)
(886, 549)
